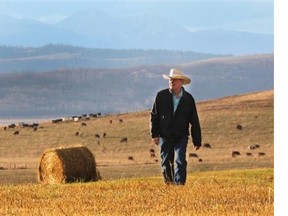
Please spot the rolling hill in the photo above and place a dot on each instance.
(54, 57)
(68, 92)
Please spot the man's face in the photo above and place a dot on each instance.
(175, 84)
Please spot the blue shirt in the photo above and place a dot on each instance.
(176, 99)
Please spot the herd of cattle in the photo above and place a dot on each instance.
(34, 126)
(251, 147)
(77, 118)
(208, 146)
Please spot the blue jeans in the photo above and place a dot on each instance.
(174, 152)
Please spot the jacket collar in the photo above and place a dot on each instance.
(182, 91)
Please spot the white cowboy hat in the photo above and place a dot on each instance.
(177, 74)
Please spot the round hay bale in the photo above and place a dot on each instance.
(67, 164)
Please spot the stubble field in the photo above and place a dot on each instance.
(218, 185)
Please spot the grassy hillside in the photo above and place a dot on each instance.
(246, 192)
(219, 118)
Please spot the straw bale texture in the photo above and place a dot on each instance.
(67, 164)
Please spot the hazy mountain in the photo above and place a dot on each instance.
(248, 15)
(77, 91)
(94, 28)
(30, 32)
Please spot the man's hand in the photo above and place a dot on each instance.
(196, 148)
(155, 140)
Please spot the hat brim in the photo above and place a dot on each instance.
(185, 79)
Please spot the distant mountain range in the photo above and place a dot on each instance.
(67, 92)
(96, 29)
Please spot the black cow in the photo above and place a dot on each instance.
(152, 150)
(56, 120)
(239, 127)
(261, 154)
(124, 139)
(193, 155)
(206, 145)
(12, 126)
(235, 153)
(35, 125)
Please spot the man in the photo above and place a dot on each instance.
(172, 116)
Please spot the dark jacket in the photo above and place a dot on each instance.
(174, 126)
